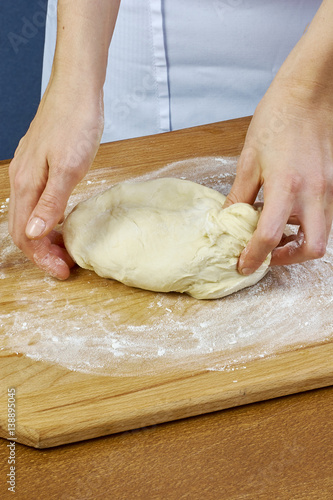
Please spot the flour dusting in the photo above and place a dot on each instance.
(124, 331)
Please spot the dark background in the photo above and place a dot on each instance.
(22, 31)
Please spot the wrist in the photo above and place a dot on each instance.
(307, 72)
(84, 32)
(76, 83)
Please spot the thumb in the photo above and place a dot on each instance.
(247, 182)
(49, 209)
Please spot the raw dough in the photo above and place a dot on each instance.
(164, 235)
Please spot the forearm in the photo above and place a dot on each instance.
(309, 67)
(84, 32)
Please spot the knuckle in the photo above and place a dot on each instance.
(58, 166)
(316, 250)
(12, 168)
(16, 182)
(76, 175)
(68, 171)
(269, 238)
(19, 146)
(294, 183)
(330, 191)
(247, 156)
(320, 187)
(232, 198)
(16, 177)
(247, 169)
(330, 184)
(49, 202)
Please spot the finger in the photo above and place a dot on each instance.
(51, 258)
(314, 225)
(50, 255)
(329, 220)
(310, 242)
(270, 229)
(51, 205)
(284, 255)
(59, 249)
(247, 182)
(293, 219)
(25, 190)
(329, 231)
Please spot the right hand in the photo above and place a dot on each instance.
(53, 156)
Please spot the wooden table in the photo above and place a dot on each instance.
(279, 449)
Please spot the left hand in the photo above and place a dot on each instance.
(288, 150)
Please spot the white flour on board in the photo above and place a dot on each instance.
(289, 308)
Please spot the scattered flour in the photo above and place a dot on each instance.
(124, 331)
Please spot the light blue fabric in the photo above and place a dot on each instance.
(180, 63)
(223, 55)
(132, 94)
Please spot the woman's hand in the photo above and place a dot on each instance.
(50, 160)
(289, 150)
(64, 136)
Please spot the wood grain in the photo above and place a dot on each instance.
(59, 406)
(85, 407)
(277, 449)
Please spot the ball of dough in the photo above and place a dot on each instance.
(164, 235)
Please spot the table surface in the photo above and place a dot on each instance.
(281, 449)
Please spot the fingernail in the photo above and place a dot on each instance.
(246, 271)
(35, 227)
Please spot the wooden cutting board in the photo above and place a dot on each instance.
(59, 403)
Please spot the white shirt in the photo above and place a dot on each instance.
(181, 63)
